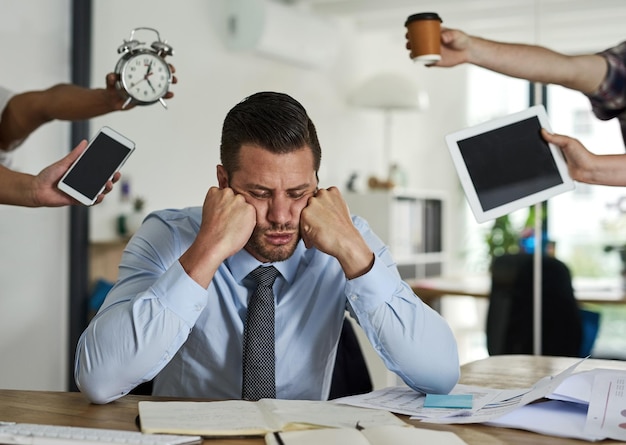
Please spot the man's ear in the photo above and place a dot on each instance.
(222, 177)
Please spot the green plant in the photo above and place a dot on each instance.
(502, 238)
(138, 204)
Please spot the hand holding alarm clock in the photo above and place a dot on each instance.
(144, 77)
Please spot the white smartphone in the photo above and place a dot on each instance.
(107, 151)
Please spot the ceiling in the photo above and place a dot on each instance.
(566, 25)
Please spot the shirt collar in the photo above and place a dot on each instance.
(242, 263)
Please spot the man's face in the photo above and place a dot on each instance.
(278, 186)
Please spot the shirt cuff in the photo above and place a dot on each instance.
(376, 287)
(181, 294)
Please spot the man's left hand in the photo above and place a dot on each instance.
(325, 224)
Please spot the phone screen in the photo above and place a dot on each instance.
(96, 165)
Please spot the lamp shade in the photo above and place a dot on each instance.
(390, 91)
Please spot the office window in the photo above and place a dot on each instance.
(491, 95)
(587, 225)
(590, 220)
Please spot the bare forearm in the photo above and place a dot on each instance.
(72, 102)
(16, 188)
(605, 170)
(538, 64)
(62, 102)
(28, 111)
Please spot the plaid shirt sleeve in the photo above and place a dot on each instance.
(609, 100)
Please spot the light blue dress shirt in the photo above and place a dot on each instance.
(158, 322)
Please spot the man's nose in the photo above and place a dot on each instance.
(279, 210)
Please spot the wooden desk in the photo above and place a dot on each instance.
(60, 408)
(430, 290)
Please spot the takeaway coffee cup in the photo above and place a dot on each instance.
(424, 34)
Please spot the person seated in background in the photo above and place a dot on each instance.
(21, 114)
(178, 313)
(601, 77)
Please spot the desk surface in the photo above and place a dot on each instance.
(600, 291)
(60, 408)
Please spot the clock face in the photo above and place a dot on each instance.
(146, 77)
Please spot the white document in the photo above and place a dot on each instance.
(404, 400)
(552, 418)
(500, 407)
(579, 387)
(489, 403)
(576, 388)
(607, 409)
(589, 405)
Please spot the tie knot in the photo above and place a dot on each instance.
(264, 276)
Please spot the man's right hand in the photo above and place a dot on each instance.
(227, 224)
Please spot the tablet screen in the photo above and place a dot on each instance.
(505, 165)
(509, 163)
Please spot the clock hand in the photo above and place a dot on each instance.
(149, 73)
(149, 69)
(137, 83)
(150, 83)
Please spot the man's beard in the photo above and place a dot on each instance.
(271, 253)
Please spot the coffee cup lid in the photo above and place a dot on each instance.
(423, 16)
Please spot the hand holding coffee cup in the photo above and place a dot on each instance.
(424, 37)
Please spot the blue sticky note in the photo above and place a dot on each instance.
(448, 401)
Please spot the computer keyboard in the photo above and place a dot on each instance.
(35, 434)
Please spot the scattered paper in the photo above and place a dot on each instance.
(607, 409)
(552, 418)
(488, 403)
(404, 400)
(589, 405)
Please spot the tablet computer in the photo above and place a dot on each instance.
(505, 165)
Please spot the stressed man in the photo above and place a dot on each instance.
(183, 311)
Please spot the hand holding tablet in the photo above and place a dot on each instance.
(505, 165)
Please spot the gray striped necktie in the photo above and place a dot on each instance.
(259, 360)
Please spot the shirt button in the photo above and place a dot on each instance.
(198, 307)
(353, 297)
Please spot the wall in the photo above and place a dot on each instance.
(177, 149)
(35, 43)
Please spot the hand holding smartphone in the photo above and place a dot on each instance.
(106, 153)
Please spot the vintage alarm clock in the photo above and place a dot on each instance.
(144, 76)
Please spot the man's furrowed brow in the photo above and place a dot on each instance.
(296, 188)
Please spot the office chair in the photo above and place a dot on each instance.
(350, 376)
(510, 313)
